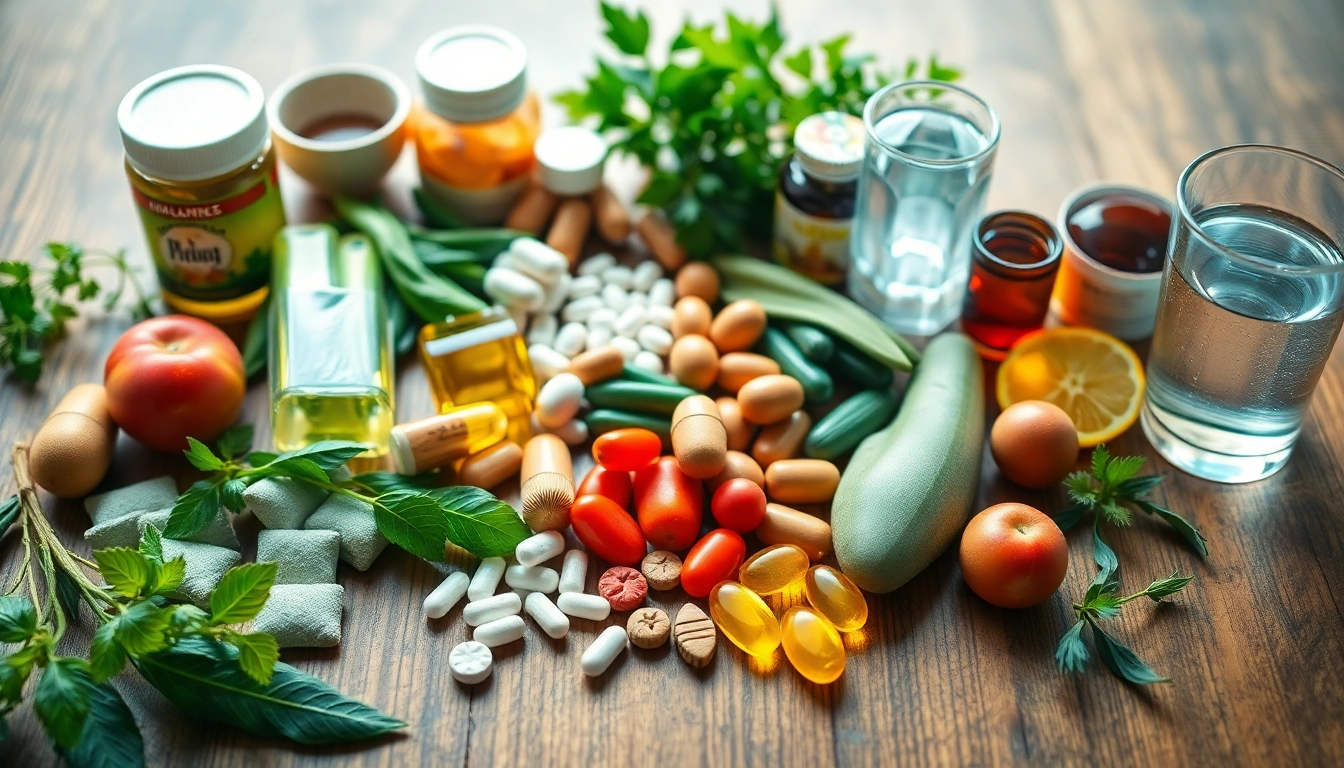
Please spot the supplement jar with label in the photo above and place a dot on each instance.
(815, 204)
(203, 176)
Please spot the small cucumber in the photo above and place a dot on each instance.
(839, 431)
(631, 373)
(637, 396)
(605, 420)
(817, 384)
(849, 364)
(815, 344)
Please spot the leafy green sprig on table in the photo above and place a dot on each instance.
(1102, 601)
(418, 519)
(37, 301)
(715, 118)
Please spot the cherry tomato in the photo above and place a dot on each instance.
(739, 505)
(669, 504)
(626, 450)
(607, 530)
(605, 482)
(714, 558)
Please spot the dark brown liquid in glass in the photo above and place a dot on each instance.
(1122, 232)
(341, 127)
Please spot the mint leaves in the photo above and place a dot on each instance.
(1102, 602)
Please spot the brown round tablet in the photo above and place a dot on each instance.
(662, 569)
(648, 627)
(623, 587)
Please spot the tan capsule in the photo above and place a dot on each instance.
(547, 483)
(736, 464)
(597, 365)
(801, 481)
(768, 399)
(737, 326)
(613, 220)
(691, 315)
(699, 439)
(533, 210)
(570, 228)
(785, 525)
(739, 431)
(73, 449)
(694, 361)
(737, 368)
(781, 440)
(662, 241)
(698, 279)
(492, 466)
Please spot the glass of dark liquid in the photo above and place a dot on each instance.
(1014, 259)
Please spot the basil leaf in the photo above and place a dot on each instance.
(1122, 661)
(203, 678)
(106, 656)
(231, 495)
(194, 509)
(62, 699)
(326, 454)
(169, 576)
(241, 593)
(236, 440)
(413, 521)
(479, 522)
(124, 569)
(18, 619)
(1072, 652)
(110, 738)
(1188, 531)
(201, 457)
(257, 654)
(140, 628)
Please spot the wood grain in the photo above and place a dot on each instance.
(1092, 91)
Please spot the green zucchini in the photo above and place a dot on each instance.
(852, 420)
(817, 384)
(909, 488)
(605, 420)
(637, 396)
(849, 364)
(815, 344)
(631, 373)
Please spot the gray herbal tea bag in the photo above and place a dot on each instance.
(121, 532)
(138, 497)
(301, 557)
(361, 540)
(283, 502)
(303, 615)
(206, 565)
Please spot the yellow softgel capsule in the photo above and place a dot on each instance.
(744, 618)
(773, 569)
(835, 597)
(813, 646)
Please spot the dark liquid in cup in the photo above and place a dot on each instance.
(1123, 232)
(341, 127)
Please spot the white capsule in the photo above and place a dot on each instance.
(506, 260)
(637, 298)
(579, 310)
(534, 578)
(446, 595)
(470, 662)
(571, 337)
(486, 579)
(546, 362)
(596, 264)
(500, 631)
(599, 337)
(628, 347)
(542, 329)
(513, 289)
(538, 260)
(559, 399)
(478, 612)
(655, 339)
(604, 650)
(663, 292)
(630, 321)
(535, 550)
(646, 272)
(619, 276)
(548, 617)
(578, 604)
(574, 571)
(602, 318)
(585, 285)
(648, 361)
(659, 315)
(573, 432)
(556, 295)
(614, 297)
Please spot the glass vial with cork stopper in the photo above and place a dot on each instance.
(1014, 259)
(814, 206)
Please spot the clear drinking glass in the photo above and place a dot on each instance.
(1251, 302)
(929, 151)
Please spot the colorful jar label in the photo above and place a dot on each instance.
(215, 250)
(811, 245)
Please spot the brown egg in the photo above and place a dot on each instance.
(694, 361)
(698, 279)
(691, 315)
(781, 440)
(1034, 443)
(767, 399)
(738, 326)
(737, 368)
(740, 432)
(736, 464)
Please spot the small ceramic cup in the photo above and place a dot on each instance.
(341, 126)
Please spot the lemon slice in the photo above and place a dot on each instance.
(1096, 378)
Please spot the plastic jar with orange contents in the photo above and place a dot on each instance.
(475, 133)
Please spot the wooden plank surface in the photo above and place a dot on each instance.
(1123, 91)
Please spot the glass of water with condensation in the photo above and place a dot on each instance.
(929, 150)
(1252, 298)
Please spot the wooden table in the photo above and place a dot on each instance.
(1128, 92)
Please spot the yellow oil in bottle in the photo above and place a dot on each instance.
(331, 348)
(481, 357)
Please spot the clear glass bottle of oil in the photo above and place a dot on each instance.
(331, 346)
(481, 357)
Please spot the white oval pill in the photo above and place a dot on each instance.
(602, 318)
(578, 310)
(628, 347)
(534, 578)
(572, 432)
(486, 579)
(615, 297)
(574, 571)
(551, 620)
(599, 337)
(594, 607)
(558, 400)
(655, 339)
(604, 650)
(644, 275)
(542, 329)
(638, 297)
(648, 361)
(630, 321)
(535, 550)
(546, 362)
(480, 612)
(538, 260)
(556, 295)
(570, 339)
(586, 285)
(513, 289)
(619, 276)
(446, 595)
(659, 315)
(596, 264)
(663, 292)
(470, 662)
(500, 631)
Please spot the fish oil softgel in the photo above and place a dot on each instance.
(837, 598)
(812, 645)
(744, 618)
(773, 569)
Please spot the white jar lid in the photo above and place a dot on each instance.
(193, 123)
(570, 159)
(830, 145)
(472, 74)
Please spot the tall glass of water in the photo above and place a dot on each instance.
(929, 151)
(1252, 298)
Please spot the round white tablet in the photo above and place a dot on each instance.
(470, 662)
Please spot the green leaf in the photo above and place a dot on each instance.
(261, 458)
(662, 189)
(231, 495)
(1121, 469)
(1116, 513)
(18, 619)
(62, 699)
(471, 518)
(834, 50)
(201, 457)
(1133, 488)
(185, 618)
(383, 482)
(1081, 489)
(256, 343)
(241, 593)
(1122, 661)
(413, 521)
(151, 544)
(1172, 584)
(1104, 557)
(140, 628)
(801, 63)
(1072, 651)
(68, 594)
(168, 576)
(203, 678)
(124, 569)
(106, 656)
(327, 454)
(110, 737)
(9, 512)
(257, 654)
(1188, 531)
(194, 510)
(1101, 456)
(298, 467)
(236, 441)
(13, 676)
(630, 34)
(1068, 518)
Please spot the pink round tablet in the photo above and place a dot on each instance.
(623, 587)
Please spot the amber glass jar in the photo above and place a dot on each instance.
(814, 206)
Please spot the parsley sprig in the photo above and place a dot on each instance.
(1101, 602)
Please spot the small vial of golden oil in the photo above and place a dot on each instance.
(331, 343)
(438, 440)
(481, 357)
